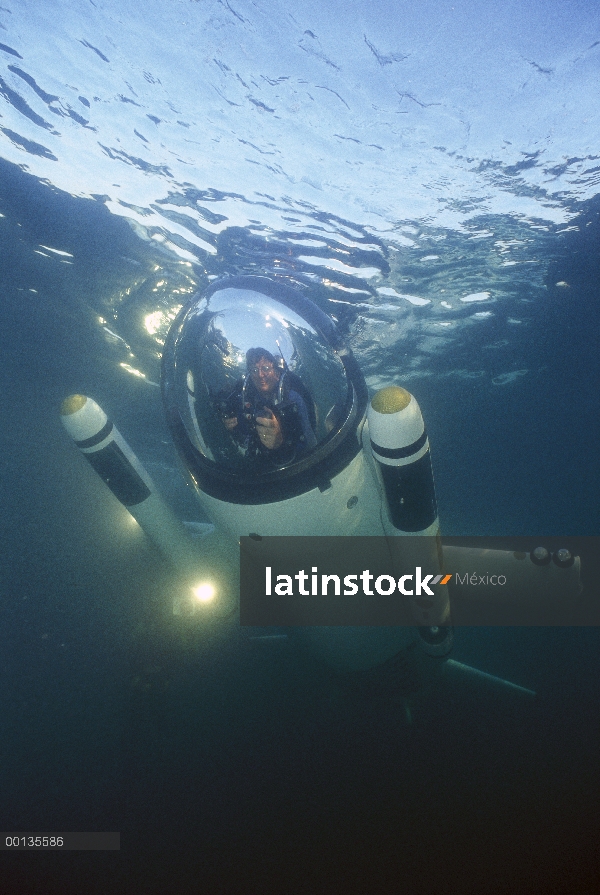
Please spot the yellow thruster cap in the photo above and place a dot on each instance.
(390, 399)
(72, 404)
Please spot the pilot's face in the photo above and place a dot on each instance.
(264, 376)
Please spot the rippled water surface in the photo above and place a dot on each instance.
(428, 175)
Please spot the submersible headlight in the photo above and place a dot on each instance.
(540, 556)
(563, 558)
(204, 593)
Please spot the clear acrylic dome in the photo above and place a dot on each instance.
(212, 364)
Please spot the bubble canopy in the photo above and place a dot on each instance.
(249, 348)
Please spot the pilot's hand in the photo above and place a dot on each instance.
(268, 430)
(230, 422)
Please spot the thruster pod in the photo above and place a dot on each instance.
(112, 458)
(400, 446)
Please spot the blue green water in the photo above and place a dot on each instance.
(434, 187)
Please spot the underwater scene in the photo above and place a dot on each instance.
(427, 178)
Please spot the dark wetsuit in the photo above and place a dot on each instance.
(291, 410)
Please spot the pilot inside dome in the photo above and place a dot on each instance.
(270, 413)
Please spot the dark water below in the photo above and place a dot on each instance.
(234, 768)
